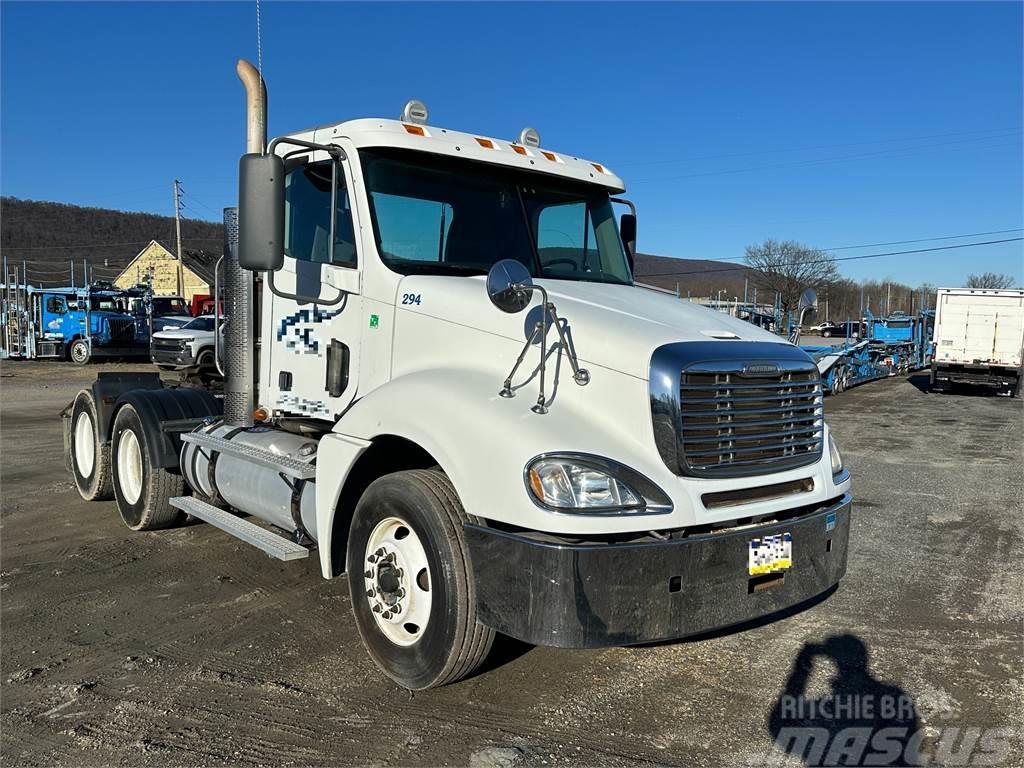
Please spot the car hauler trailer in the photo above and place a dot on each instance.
(486, 430)
(979, 336)
(892, 345)
(71, 323)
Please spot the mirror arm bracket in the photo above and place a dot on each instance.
(337, 154)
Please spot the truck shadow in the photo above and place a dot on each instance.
(923, 382)
(860, 721)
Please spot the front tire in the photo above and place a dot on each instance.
(80, 352)
(411, 581)
(90, 456)
(826, 334)
(143, 491)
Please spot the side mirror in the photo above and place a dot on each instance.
(808, 300)
(261, 212)
(509, 286)
(627, 230)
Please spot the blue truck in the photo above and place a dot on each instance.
(76, 324)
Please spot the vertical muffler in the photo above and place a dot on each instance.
(241, 332)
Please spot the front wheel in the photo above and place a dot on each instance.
(826, 334)
(411, 581)
(80, 352)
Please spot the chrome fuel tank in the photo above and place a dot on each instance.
(252, 488)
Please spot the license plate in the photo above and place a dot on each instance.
(770, 554)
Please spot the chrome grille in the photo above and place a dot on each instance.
(168, 345)
(731, 423)
(735, 408)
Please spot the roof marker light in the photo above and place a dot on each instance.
(550, 156)
(529, 137)
(485, 143)
(415, 111)
(415, 130)
(519, 150)
(600, 168)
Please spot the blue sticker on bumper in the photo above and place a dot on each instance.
(830, 521)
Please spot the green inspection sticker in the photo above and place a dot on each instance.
(374, 321)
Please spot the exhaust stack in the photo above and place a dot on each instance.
(240, 331)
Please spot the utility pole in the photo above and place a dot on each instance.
(177, 229)
(72, 273)
(888, 298)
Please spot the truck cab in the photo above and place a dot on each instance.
(461, 399)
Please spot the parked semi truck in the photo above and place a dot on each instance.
(442, 382)
(979, 336)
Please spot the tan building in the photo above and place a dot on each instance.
(164, 266)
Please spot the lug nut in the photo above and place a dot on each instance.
(380, 552)
(368, 574)
(386, 614)
(376, 609)
(371, 559)
(370, 592)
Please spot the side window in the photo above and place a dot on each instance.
(307, 216)
(412, 229)
(565, 239)
(56, 305)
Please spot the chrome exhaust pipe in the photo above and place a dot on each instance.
(241, 330)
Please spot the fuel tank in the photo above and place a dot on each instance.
(252, 488)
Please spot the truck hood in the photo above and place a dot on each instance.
(182, 333)
(613, 326)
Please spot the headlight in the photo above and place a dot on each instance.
(837, 459)
(592, 484)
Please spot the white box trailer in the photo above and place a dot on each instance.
(979, 338)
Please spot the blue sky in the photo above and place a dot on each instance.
(835, 124)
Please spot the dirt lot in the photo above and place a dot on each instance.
(185, 647)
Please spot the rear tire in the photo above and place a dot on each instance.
(412, 521)
(143, 492)
(90, 457)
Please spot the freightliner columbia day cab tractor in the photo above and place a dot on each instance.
(441, 380)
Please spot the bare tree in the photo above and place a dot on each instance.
(789, 268)
(990, 280)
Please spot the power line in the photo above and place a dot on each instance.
(820, 146)
(923, 240)
(832, 260)
(880, 155)
(96, 245)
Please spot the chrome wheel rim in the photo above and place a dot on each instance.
(129, 466)
(79, 352)
(398, 581)
(85, 445)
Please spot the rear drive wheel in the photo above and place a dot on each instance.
(90, 456)
(411, 581)
(80, 352)
(142, 491)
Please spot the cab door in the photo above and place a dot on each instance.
(314, 346)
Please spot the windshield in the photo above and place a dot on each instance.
(436, 215)
(199, 324)
(103, 304)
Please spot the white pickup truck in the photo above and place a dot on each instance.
(190, 347)
(979, 337)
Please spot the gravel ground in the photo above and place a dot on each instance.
(185, 647)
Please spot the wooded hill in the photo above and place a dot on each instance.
(47, 236)
(50, 235)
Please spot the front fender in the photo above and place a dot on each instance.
(483, 442)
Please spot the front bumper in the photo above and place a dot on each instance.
(178, 358)
(596, 595)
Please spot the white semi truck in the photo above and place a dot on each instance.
(979, 338)
(442, 382)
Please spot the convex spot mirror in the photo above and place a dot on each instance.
(509, 286)
(808, 300)
(261, 212)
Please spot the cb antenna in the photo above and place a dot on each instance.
(259, 40)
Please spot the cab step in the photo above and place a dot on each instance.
(300, 470)
(250, 533)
